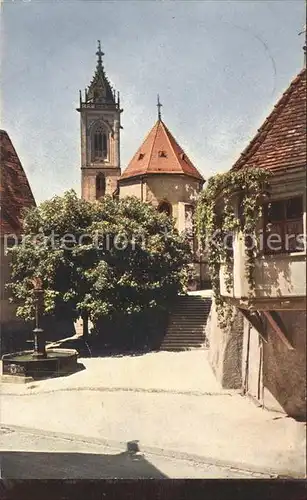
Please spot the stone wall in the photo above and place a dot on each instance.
(132, 187)
(225, 349)
(7, 310)
(176, 189)
(252, 361)
(13, 330)
(284, 370)
(274, 374)
(173, 188)
(88, 184)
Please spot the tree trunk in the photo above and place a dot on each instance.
(85, 325)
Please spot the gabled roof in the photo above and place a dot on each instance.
(160, 154)
(281, 140)
(15, 191)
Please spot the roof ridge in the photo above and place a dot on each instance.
(153, 143)
(167, 133)
(268, 123)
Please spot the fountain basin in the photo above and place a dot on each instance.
(23, 367)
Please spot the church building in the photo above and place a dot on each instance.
(160, 172)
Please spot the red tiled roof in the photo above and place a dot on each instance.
(281, 140)
(15, 191)
(160, 154)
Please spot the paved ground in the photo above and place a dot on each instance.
(171, 404)
(31, 454)
(161, 371)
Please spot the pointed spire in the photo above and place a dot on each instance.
(99, 55)
(159, 106)
(100, 90)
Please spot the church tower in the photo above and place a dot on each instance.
(100, 135)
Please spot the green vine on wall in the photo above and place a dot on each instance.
(230, 202)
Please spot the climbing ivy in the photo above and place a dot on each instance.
(230, 202)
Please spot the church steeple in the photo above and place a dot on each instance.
(100, 90)
(99, 54)
(100, 135)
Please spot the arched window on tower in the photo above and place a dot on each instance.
(99, 144)
(165, 207)
(100, 185)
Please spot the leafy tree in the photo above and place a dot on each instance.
(97, 259)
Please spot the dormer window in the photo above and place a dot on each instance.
(162, 154)
(99, 144)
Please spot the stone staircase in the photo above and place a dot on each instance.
(187, 322)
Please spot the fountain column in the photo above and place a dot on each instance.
(39, 340)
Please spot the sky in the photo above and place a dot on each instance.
(219, 67)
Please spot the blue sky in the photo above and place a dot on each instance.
(219, 68)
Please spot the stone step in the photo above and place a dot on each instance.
(186, 333)
(183, 344)
(190, 338)
(185, 338)
(185, 325)
(178, 344)
(193, 299)
(187, 322)
(189, 316)
(186, 319)
(186, 303)
(190, 309)
(180, 347)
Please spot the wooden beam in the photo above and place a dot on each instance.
(255, 320)
(277, 328)
(268, 303)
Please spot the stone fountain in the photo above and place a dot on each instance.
(26, 366)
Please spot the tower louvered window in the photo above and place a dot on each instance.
(100, 185)
(100, 144)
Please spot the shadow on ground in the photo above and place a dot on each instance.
(38, 465)
(93, 348)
